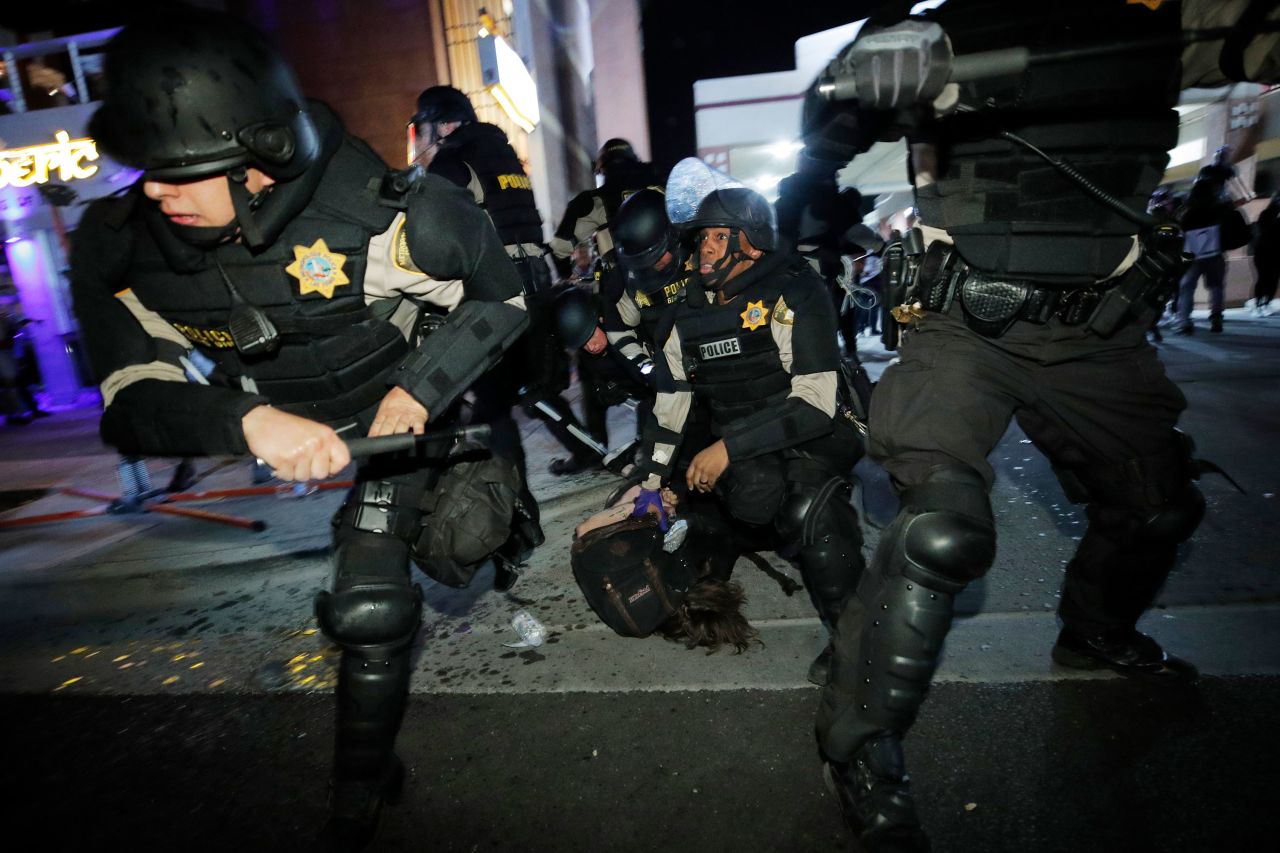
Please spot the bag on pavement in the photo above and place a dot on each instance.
(466, 518)
(627, 579)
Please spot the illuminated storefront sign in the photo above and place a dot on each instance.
(22, 167)
(507, 79)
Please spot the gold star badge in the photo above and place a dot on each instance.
(755, 316)
(1153, 5)
(317, 269)
(643, 300)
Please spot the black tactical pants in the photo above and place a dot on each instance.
(372, 611)
(1102, 411)
(803, 493)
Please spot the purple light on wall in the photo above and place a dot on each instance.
(34, 274)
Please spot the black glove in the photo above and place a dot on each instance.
(899, 66)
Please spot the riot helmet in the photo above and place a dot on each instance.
(699, 196)
(642, 237)
(443, 104)
(575, 316)
(197, 94)
(613, 152)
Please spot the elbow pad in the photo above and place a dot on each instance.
(471, 340)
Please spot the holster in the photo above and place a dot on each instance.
(1146, 285)
(901, 265)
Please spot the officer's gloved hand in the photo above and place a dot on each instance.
(649, 501)
(899, 66)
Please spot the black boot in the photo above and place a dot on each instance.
(875, 798)
(355, 808)
(372, 692)
(1215, 323)
(820, 669)
(1132, 654)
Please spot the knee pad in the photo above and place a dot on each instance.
(813, 513)
(372, 602)
(948, 546)
(948, 536)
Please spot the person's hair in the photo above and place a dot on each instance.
(711, 616)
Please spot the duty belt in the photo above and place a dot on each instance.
(993, 303)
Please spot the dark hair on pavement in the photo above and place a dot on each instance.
(711, 616)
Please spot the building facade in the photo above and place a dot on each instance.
(535, 68)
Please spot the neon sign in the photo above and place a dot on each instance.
(22, 167)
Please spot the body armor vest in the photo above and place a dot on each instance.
(1111, 117)
(508, 193)
(334, 353)
(736, 369)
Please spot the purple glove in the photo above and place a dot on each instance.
(650, 499)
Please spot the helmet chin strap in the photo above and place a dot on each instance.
(245, 203)
(205, 238)
(723, 268)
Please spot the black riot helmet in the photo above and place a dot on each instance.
(642, 234)
(614, 152)
(443, 104)
(196, 94)
(576, 317)
(740, 209)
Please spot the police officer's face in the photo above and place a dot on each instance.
(713, 245)
(204, 203)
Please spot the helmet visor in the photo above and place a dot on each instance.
(690, 182)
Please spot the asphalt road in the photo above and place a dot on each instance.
(162, 686)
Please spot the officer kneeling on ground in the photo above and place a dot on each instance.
(258, 235)
(756, 341)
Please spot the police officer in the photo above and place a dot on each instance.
(258, 235)
(588, 215)
(450, 141)
(755, 341)
(1034, 286)
(608, 379)
(655, 268)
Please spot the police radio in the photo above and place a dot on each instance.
(251, 329)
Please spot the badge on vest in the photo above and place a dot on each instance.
(317, 269)
(755, 316)
(719, 349)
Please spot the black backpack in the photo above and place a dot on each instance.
(627, 579)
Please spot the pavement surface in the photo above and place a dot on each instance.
(162, 685)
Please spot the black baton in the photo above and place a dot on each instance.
(360, 447)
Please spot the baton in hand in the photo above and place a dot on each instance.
(363, 447)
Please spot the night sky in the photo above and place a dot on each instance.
(684, 42)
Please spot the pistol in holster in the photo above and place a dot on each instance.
(1147, 284)
(901, 264)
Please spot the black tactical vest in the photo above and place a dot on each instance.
(1111, 117)
(508, 193)
(653, 304)
(334, 353)
(729, 354)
